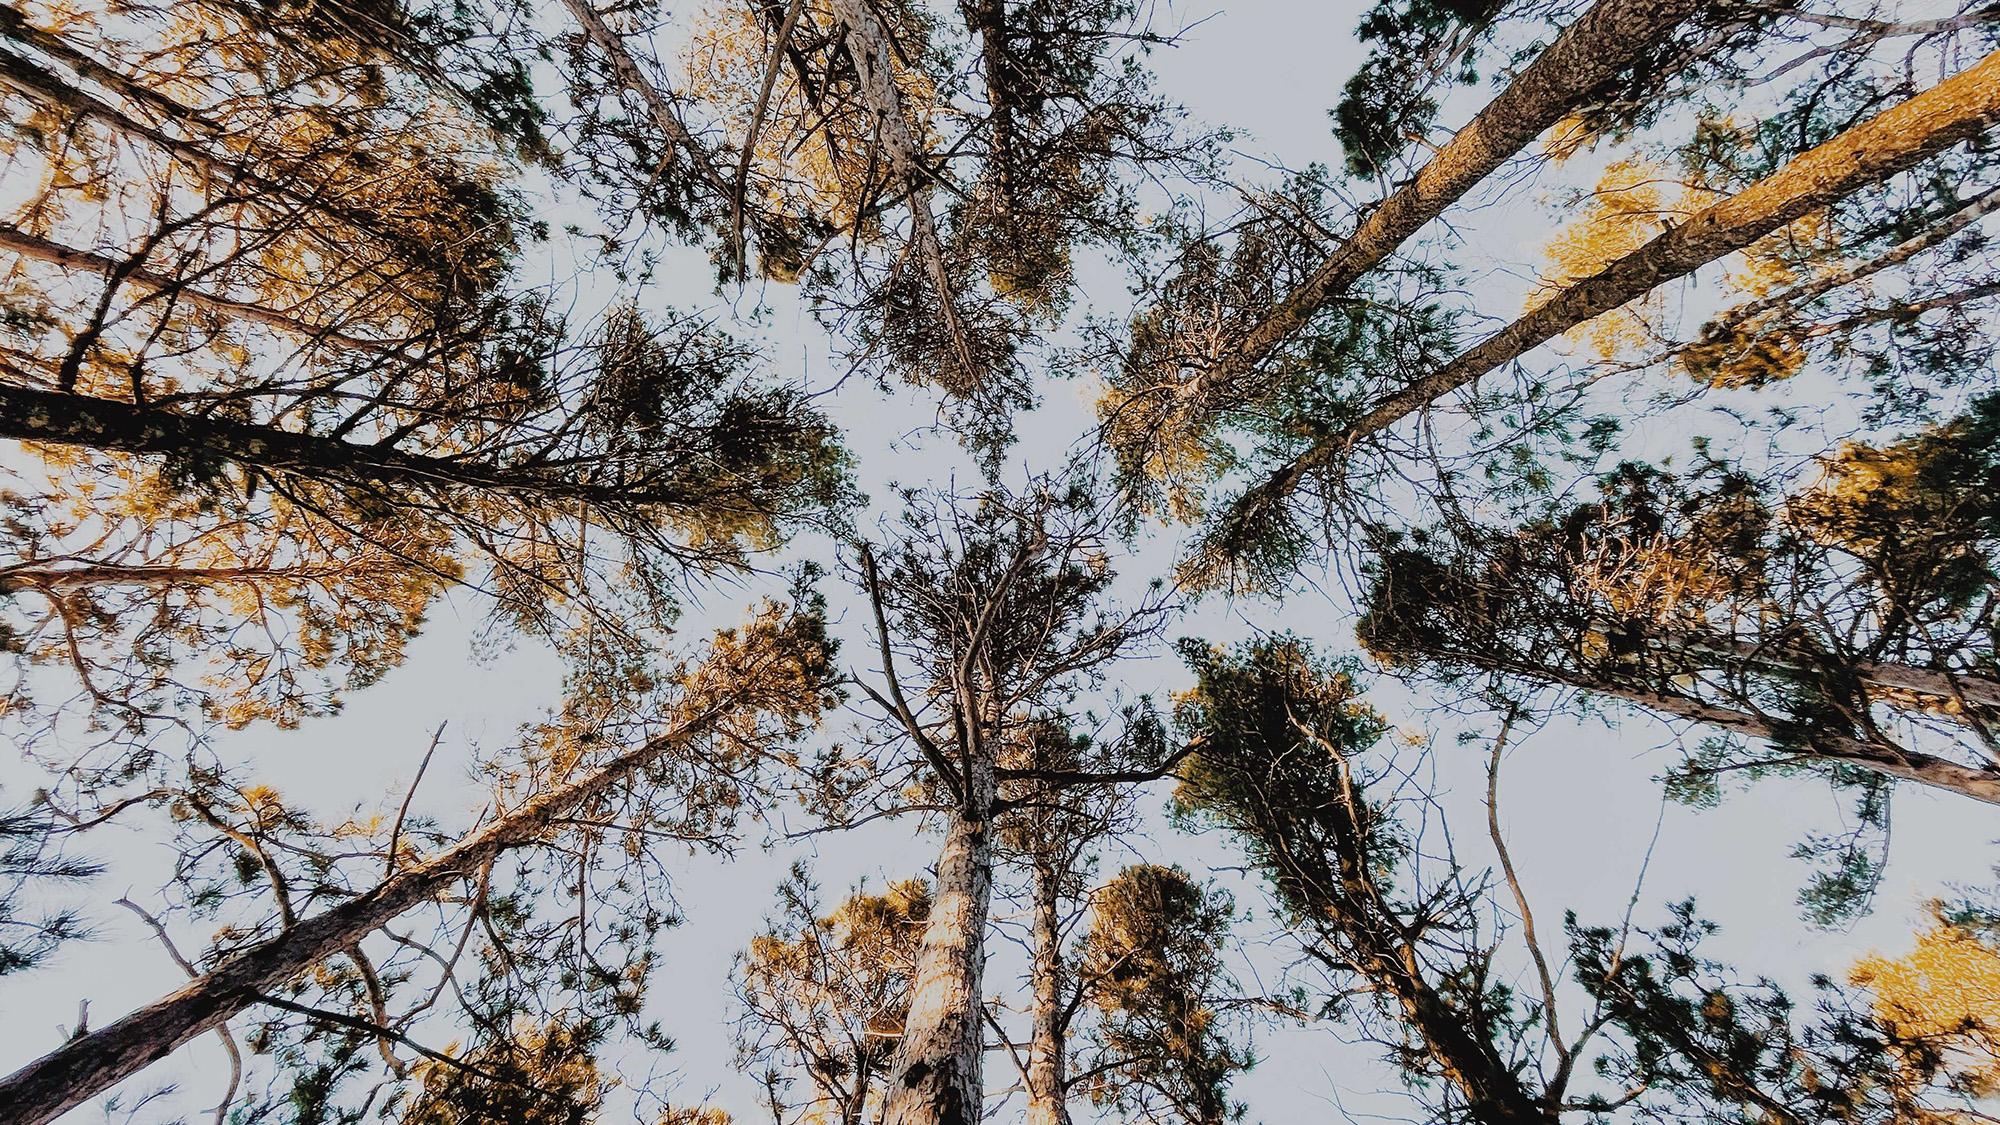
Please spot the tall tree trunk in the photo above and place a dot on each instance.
(1893, 141)
(91, 1064)
(1574, 69)
(1048, 1069)
(55, 418)
(934, 1076)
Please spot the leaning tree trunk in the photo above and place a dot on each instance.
(1048, 1069)
(88, 1065)
(647, 89)
(1588, 53)
(1816, 742)
(1895, 140)
(57, 418)
(1337, 889)
(934, 1076)
(1943, 686)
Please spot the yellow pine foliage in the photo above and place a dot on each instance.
(1632, 204)
(1946, 989)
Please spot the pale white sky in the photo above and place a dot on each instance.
(1578, 802)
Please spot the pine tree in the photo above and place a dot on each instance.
(761, 685)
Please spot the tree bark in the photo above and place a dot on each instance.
(52, 417)
(1048, 1069)
(1978, 208)
(91, 1064)
(1885, 675)
(1583, 57)
(1899, 138)
(934, 1077)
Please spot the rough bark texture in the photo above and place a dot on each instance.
(1972, 212)
(51, 417)
(1959, 108)
(1588, 53)
(87, 1066)
(1048, 1070)
(934, 1078)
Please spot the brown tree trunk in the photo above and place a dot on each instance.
(1338, 888)
(1893, 141)
(55, 418)
(1048, 1069)
(91, 1064)
(934, 1077)
(1575, 67)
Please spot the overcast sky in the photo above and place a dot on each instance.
(1578, 801)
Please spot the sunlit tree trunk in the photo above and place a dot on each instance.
(88, 1065)
(934, 1078)
(1047, 1059)
(1588, 53)
(1959, 108)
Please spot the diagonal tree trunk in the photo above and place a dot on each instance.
(52, 417)
(665, 117)
(91, 1064)
(934, 1076)
(1893, 141)
(1883, 675)
(1817, 741)
(1976, 209)
(1876, 754)
(1588, 53)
